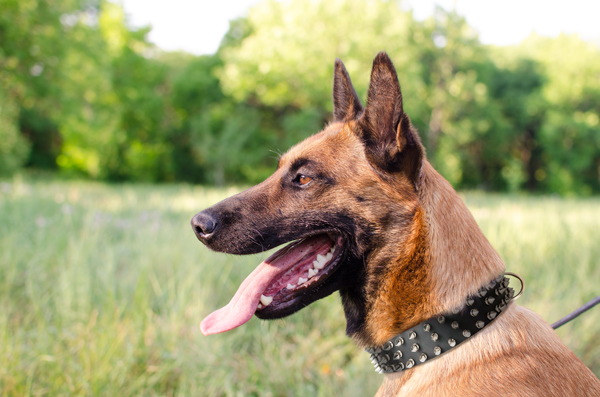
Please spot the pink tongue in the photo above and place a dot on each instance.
(245, 301)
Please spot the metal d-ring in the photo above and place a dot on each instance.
(520, 280)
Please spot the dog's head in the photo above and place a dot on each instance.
(346, 201)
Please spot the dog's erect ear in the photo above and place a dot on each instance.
(391, 142)
(346, 105)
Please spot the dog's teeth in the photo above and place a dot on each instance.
(302, 280)
(320, 262)
(290, 286)
(328, 256)
(312, 272)
(260, 306)
(266, 300)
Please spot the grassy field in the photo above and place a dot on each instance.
(102, 289)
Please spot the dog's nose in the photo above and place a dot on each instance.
(204, 225)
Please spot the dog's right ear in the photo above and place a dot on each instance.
(346, 104)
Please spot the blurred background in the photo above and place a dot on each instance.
(120, 120)
(84, 91)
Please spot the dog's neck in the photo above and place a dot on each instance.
(443, 258)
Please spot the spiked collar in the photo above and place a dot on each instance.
(439, 334)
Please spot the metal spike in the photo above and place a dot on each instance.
(412, 335)
(437, 350)
(482, 292)
(454, 325)
(398, 355)
(491, 315)
(474, 312)
(441, 319)
(455, 311)
(414, 347)
(426, 327)
(480, 324)
(489, 300)
(434, 337)
(384, 359)
(388, 345)
(401, 365)
(399, 341)
(410, 363)
(470, 302)
(466, 333)
(423, 357)
(451, 342)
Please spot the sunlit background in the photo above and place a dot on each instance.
(120, 120)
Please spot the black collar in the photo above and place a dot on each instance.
(439, 334)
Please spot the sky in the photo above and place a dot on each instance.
(197, 26)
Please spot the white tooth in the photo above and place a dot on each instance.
(321, 258)
(329, 256)
(266, 300)
(260, 306)
(312, 272)
(302, 280)
(290, 286)
(319, 265)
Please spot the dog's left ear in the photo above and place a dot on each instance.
(346, 104)
(391, 142)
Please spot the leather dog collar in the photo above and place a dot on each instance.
(439, 334)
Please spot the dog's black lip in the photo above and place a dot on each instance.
(294, 299)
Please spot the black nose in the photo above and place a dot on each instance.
(203, 224)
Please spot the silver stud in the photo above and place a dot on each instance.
(412, 335)
(451, 342)
(470, 302)
(437, 350)
(441, 319)
(426, 327)
(434, 337)
(455, 311)
(384, 359)
(454, 324)
(398, 355)
(410, 363)
(399, 341)
(423, 357)
(466, 333)
(482, 292)
(401, 366)
(378, 350)
(388, 345)
(369, 350)
(479, 324)
(474, 312)
(500, 291)
(414, 347)
(491, 315)
(489, 300)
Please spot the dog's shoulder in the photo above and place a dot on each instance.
(520, 355)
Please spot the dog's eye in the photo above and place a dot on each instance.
(302, 179)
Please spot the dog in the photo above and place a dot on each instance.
(422, 289)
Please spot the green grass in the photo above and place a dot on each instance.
(102, 288)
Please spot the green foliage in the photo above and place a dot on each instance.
(102, 289)
(85, 93)
(13, 146)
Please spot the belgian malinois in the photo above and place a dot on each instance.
(422, 288)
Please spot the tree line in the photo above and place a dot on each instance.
(83, 93)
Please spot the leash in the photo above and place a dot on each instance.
(567, 318)
(577, 312)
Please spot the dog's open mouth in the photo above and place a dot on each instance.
(279, 282)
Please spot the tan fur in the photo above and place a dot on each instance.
(415, 249)
(518, 354)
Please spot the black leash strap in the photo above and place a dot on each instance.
(577, 312)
